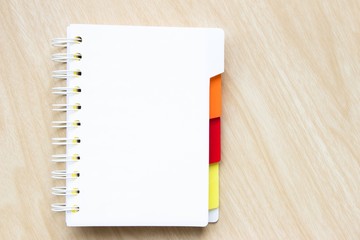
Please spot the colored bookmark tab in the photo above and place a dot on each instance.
(215, 140)
(215, 96)
(214, 186)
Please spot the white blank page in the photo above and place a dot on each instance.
(144, 126)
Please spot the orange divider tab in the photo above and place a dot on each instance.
(215, 96)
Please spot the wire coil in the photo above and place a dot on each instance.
(66, 90)
(66, 107)
(66, 141)
(63, 191)
(66, 124)
(65, 158)
(64, 57)
(66, 74)
(62, 174)
(63, 42)
(62, 207)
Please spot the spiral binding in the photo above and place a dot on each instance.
(66, 91)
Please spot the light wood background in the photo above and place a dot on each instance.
(291, 115)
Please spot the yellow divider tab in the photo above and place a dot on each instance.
(214, 186)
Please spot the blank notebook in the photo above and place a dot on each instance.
(137, 124)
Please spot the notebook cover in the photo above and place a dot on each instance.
(137, 157)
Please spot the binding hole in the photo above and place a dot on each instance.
(76, 123)
(75, 209)
(78, 56)
(79, 39)
(77, 106)
(76, 157)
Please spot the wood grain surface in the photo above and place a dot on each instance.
(291, 115)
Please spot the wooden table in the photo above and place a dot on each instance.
(291, 115)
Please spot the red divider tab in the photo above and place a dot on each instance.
(215, 141)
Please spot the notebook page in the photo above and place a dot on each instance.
(144, 122)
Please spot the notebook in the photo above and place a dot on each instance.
(137, 124)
